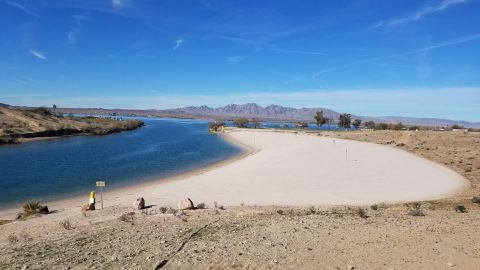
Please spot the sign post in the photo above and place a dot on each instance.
(101, 184)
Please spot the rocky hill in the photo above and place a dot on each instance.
(272, 112)
(18, 125)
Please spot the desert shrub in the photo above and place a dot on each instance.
(201, 206)
(127, 217)
(12, 239)
(66, 224)
(280, 212)
(415, 209)
(171, 210)
(460, 208)
(362, 213)
(311, 210)
(163, 209)
(42, 111)
(414, 205)
(476, 199)
(374, 207)
(217, 206)
(30, 208)
(416, 213)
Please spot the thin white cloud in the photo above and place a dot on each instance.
(263, 44)
(419, 14)
(20, 7)
(448, 43)
(240, 58)
(178, 43)
(71, 37)
(38, 54)
(119, 3)
(73, 33)
(300, 52)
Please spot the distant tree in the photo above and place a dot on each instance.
(255, 123)
(344, 120)
(320, 119)
(382, 126)
(357, 123)
(457, 127)
(216, 126)
(397, 126)
(370, 125)
(240, 122)
(54, 107)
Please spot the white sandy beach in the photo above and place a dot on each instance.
(286, 168)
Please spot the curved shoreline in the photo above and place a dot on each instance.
(78, 200)
(185, 183)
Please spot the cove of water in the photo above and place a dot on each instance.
(63, 167)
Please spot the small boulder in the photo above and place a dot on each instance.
(43, 209)
(18, 216)
(139, 204)
(185, 204)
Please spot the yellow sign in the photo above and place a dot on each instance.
(100, 183)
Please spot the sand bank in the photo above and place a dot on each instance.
(288, 168)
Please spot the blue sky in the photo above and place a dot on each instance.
(406, 57)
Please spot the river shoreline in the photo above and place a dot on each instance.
(78, 200)
(216, 181)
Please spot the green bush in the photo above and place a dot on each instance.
(30, 208)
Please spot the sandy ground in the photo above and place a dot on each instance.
(273, 237)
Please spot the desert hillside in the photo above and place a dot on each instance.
(17, 125)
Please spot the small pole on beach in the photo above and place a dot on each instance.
(346, 155)
(101, 184)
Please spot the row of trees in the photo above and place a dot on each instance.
(238, 122)
(384, 126)
(344, 120)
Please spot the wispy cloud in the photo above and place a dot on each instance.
(73, 33)
(419, 14)
(38, 54)
(448, 43)
(178, 43)
(119, 3)
(240, 58)
(263, 44)
(20, 7)
(299, 52)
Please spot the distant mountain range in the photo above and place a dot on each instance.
(272, 113)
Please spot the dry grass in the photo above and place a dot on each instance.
(66, 224)
(12, 239)
(127, 217)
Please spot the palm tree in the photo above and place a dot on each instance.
(320, 119)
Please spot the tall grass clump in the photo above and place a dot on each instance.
(30, 208)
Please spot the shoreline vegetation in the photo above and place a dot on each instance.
(23, 125)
